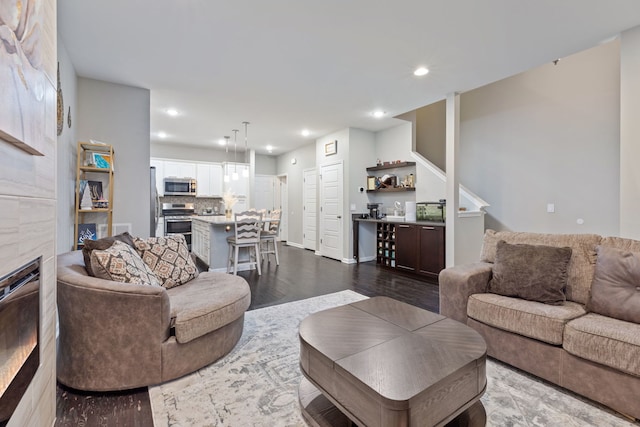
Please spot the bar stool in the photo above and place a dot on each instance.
(248, 225)
(269, 236)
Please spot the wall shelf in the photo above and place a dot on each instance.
(392, 190)
(391, 166)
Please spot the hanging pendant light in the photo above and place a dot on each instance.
(226, 160)
(245, 171)
(234, 175)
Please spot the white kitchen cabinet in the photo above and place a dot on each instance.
(200, 246)
(239, 187)
(179, 169)
(159, 165)
(209, 180)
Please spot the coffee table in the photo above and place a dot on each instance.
(380, 362)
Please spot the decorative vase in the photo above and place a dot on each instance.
(227, 213)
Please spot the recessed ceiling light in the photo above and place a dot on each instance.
(378, 114)
(421, 71)
(305, 132)
(269, 148)
(162, 135)
(222, 142)
(172, 112)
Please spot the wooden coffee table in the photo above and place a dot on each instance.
(380, 363)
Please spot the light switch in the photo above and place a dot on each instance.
(353, 207)
(551, 208)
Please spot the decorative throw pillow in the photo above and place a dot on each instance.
(102, 244)
(615, 291)
(121, 263)
(531, 272)
(169, 259)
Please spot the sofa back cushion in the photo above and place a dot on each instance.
(581, 266)
(616, 285)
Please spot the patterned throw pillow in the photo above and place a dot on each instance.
(168, 257)
(121, 263)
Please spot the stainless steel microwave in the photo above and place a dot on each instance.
(179, 187)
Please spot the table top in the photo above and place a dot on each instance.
(395, 349)
(220, 219)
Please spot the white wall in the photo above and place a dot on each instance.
(212, 154)
(119, 115)
(305, 158)
(66, 154)
(266, 165)
(630, 134)
(549, 135)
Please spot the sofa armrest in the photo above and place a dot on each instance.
(457, 283)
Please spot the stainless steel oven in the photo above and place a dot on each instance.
(177, 219)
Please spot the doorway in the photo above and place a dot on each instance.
(310, 209)
(331, 229)
(281, 201)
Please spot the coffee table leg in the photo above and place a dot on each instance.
(475, 416)
(317, 410)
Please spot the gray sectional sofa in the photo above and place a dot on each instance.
(118, 336)
(590, 344)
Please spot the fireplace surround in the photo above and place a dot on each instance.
(19, 335)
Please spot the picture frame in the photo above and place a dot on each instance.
(102, 161)
(330, 148)
(371, 183)
(87, 231)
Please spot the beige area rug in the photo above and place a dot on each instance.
(256, 384)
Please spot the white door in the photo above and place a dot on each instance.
(310, 209)
(264, 192)
(331, 233)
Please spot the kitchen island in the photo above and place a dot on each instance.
(209, 241)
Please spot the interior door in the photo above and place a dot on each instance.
(310, 209)
(264, 192)
(331, 230)
(283, 192)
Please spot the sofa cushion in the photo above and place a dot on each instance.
(583, 256)
(121, 263)
(169, 259)
(102, 244)
(529, 318)
(616, 285)
(207, 303)
(605, 340)
(532, 272)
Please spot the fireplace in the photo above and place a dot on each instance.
(19, 335)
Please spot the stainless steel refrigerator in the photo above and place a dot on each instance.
(155, 203)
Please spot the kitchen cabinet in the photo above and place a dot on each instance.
(431, 251)
(209, 180)
(201, 241)
(412, 247)
(407, 241)
(179, 169)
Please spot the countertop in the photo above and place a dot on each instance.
(219, 219)
(384, 220)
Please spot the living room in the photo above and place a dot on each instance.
(562, 132)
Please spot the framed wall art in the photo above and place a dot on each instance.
(330, 148)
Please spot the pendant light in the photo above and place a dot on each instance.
(226, 160)
(235, 176)
(245, 171)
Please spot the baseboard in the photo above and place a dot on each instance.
(318, 253)
(348, 260)
(295, 245)
(367, 258)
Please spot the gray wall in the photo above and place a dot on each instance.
(66, 154)
(266, 165)
(630, 134)
(431, 133)
(190, 152)
(305, 159)
(119, 115)
(549, 135)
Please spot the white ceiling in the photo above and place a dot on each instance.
(324, 65)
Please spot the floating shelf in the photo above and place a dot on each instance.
(392, 190)
(391, 166)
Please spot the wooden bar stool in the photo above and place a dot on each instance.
(268, 244)
(248, 225)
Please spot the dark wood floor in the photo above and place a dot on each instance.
(301, 274)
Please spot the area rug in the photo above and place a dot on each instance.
(256, 384)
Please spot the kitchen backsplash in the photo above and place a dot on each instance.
(201, 203)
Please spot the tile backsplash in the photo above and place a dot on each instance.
(201, 203)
